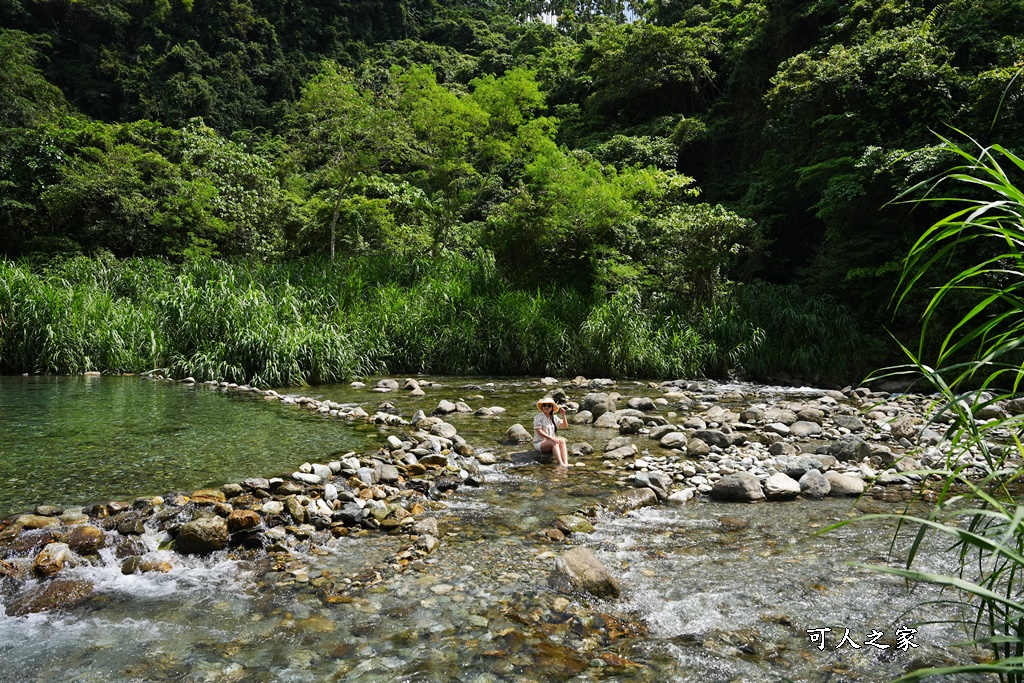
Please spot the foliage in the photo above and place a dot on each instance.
(306, 321)
(29, 98)
(977, 366)
(534, 130)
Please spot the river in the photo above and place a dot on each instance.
(711, 591)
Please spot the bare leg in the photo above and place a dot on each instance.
(557, 447)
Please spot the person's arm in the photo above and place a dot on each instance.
(563, 420)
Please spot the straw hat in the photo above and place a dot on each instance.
(546, 400)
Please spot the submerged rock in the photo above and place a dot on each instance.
(49, 596)
(632, 500)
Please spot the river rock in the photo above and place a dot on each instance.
(673, 439)
(844, 484)
(256, 483)
(780, 486)
(322, 471)
(144, 564)
(52, 559)
(740, 487)
(801, 465)
(444, 407)
(657, 433)
(427, 525)
(86, 539)
(695, 423)
(712, 437)
(810, 415)
(444, 430)
(208, 496)
(633, 499)
(777, 428)
(517, 434)
(36, 521)
(630, 425)
(350, 514)
(580, 449)
(618, 442)
(73, 516)
(697, 448)
(389, 474)
(49, 596)
(583, 417)
(434, 460)
(752, 415)
(851, 422)
(850, 448)
(802, 428)
(682, 496)
(621, 452)
(309, 478)
(243, 520)
(573, 524)
(607, 420)
(598, 404)
(782, 448)
(783, 415)
(814, 484)
(641, 403)
(585, 572)
(202, 536)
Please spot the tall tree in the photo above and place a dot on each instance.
(344, 130)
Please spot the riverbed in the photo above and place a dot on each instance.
(711, 591)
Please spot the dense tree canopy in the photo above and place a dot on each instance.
(672, 146)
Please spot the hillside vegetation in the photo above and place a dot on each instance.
(720, 173)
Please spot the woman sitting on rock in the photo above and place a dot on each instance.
(545, 431)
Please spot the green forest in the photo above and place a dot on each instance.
(307, 191)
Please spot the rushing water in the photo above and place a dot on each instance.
(711, 592)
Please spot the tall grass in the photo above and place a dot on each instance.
(312, 321)
(977, 365)
(810, 336)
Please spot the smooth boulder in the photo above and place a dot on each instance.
(740, 487)
(202, 536)
(780, 486)
(585, 572)
(844, 484)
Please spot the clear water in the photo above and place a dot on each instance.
(79, 440)
(711, 592)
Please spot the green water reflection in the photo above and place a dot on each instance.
(77, 440)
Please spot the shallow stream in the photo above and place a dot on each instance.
(711, 591)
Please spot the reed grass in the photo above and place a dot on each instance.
(977, 365)
(310, 321)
